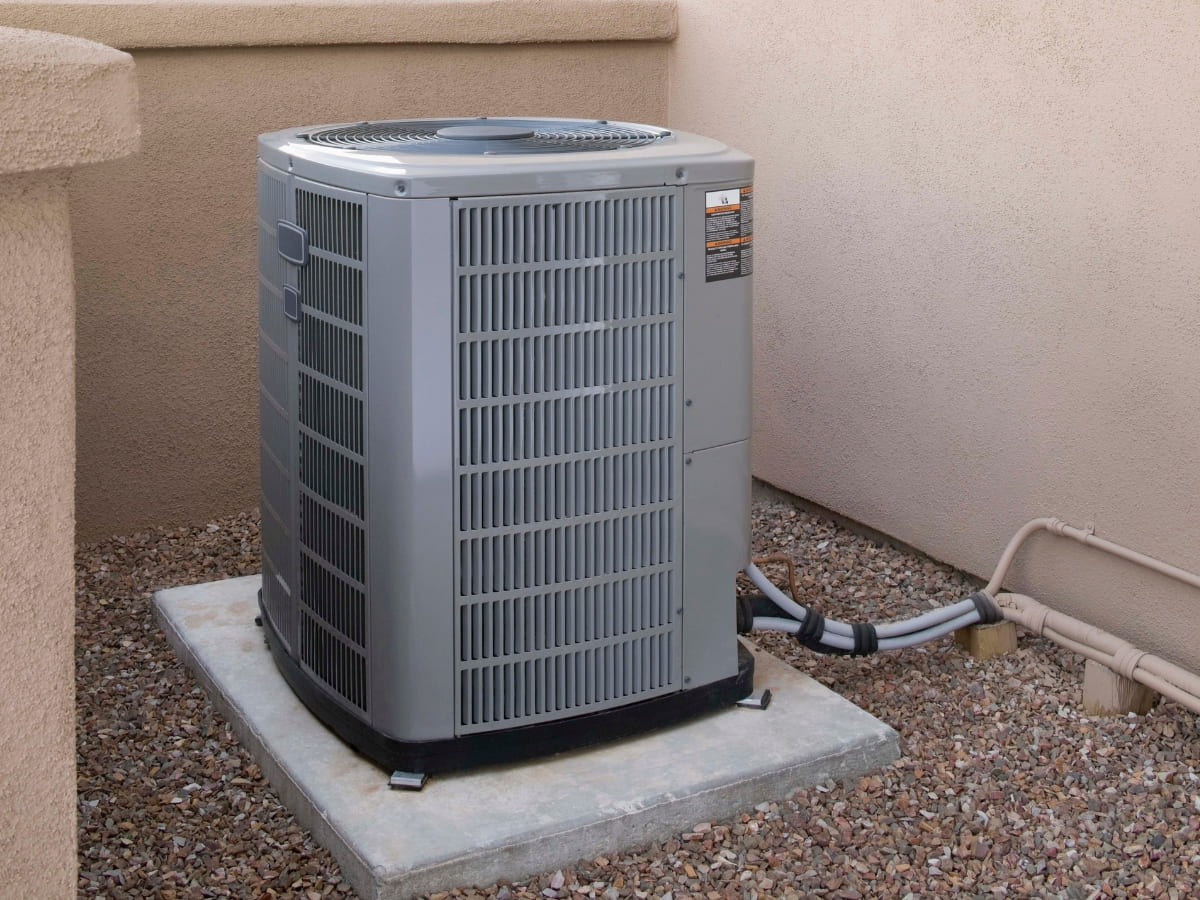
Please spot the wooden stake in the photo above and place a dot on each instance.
(986, 641)
(1105, 693)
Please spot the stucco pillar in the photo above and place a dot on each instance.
(63, 102)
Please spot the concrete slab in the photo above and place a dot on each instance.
(506, 822)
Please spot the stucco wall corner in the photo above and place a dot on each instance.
(37, 708)
(64, 101)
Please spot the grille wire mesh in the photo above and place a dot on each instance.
(549, 136)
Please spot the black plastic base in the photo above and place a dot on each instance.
(513, 743)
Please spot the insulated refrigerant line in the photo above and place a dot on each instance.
(776, 611)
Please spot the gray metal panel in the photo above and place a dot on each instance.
(681, 159)
(276, 391)
(716, 342)
(567, 358)
(290, 630)
(410, 407)
(716, 545)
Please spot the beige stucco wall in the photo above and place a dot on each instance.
(254, 23)
(978, 275)
(166, 250)
(37, 662)
(63, 102)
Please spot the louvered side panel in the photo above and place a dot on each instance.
(333, 223)
(556, 685)
(275, 426)
(549, 297)
(597, 545)
(567, 422)
(584, 357)
(522, 494)
(599, 609)
(331, 467)
(333, 289)
(332, 660)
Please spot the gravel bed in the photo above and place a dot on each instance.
(1004, 787)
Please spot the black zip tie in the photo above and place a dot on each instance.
(989, 612)
(811, 629)
(865, 641)
(745, 615)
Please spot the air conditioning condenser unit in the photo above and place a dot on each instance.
(504, 374)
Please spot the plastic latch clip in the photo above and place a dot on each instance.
(291, 303)
(293, 242)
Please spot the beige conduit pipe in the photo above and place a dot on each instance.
(1122, 657)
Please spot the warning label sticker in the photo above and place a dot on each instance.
(728, 233)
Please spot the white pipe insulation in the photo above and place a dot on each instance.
(1089, 641)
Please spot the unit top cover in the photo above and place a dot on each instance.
(485, 156)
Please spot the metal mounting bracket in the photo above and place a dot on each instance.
(407, 781)
(757, 700)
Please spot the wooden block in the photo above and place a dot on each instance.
(986, 641)
(1105, 693)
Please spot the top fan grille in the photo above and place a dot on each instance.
(507, 136)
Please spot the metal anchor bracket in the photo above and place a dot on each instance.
(757, 700)
(407, 781)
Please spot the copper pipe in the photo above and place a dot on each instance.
(793, 585)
